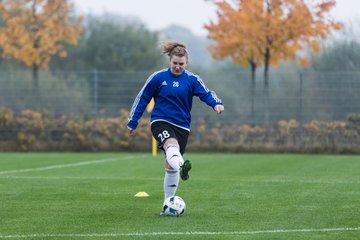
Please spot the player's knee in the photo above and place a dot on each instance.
(172, 142)
(175, 162)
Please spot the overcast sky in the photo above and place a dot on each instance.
(193, 14)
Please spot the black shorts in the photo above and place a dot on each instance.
(163, 130)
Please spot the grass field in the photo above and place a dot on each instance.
(228, 196)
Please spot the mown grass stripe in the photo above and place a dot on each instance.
(50, 167)
(285, 181)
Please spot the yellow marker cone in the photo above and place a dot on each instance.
(141, 194)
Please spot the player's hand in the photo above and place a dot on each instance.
(219, 109)
(132, 131)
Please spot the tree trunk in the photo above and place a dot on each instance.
(252, 93)
(35, 76)
(266, 87)
(35, 89)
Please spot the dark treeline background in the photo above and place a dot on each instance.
(116, 54)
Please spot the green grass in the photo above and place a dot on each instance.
(228, 196)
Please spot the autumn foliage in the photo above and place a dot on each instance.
(35, 30)
(269, 31)
(263, 32)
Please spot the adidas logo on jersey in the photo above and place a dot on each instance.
(164, 83)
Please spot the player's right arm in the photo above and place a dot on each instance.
(141, 101)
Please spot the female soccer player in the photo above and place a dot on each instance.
(173, 89)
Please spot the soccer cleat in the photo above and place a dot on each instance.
(163, 212)
(184, 171)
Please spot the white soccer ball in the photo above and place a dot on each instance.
(174, 206)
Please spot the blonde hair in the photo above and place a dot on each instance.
(173, 48)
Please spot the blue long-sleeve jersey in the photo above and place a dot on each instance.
(173, 97)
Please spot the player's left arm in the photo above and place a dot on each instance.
(207, 96)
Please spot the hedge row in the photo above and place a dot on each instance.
(41, 131)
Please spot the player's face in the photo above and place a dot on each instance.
(177, 64)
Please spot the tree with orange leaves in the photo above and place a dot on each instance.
(35, 30)
(263, 32)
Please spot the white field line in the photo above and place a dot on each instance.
(63, 165)
(312, 181)
(282, 180)
(89, 235)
